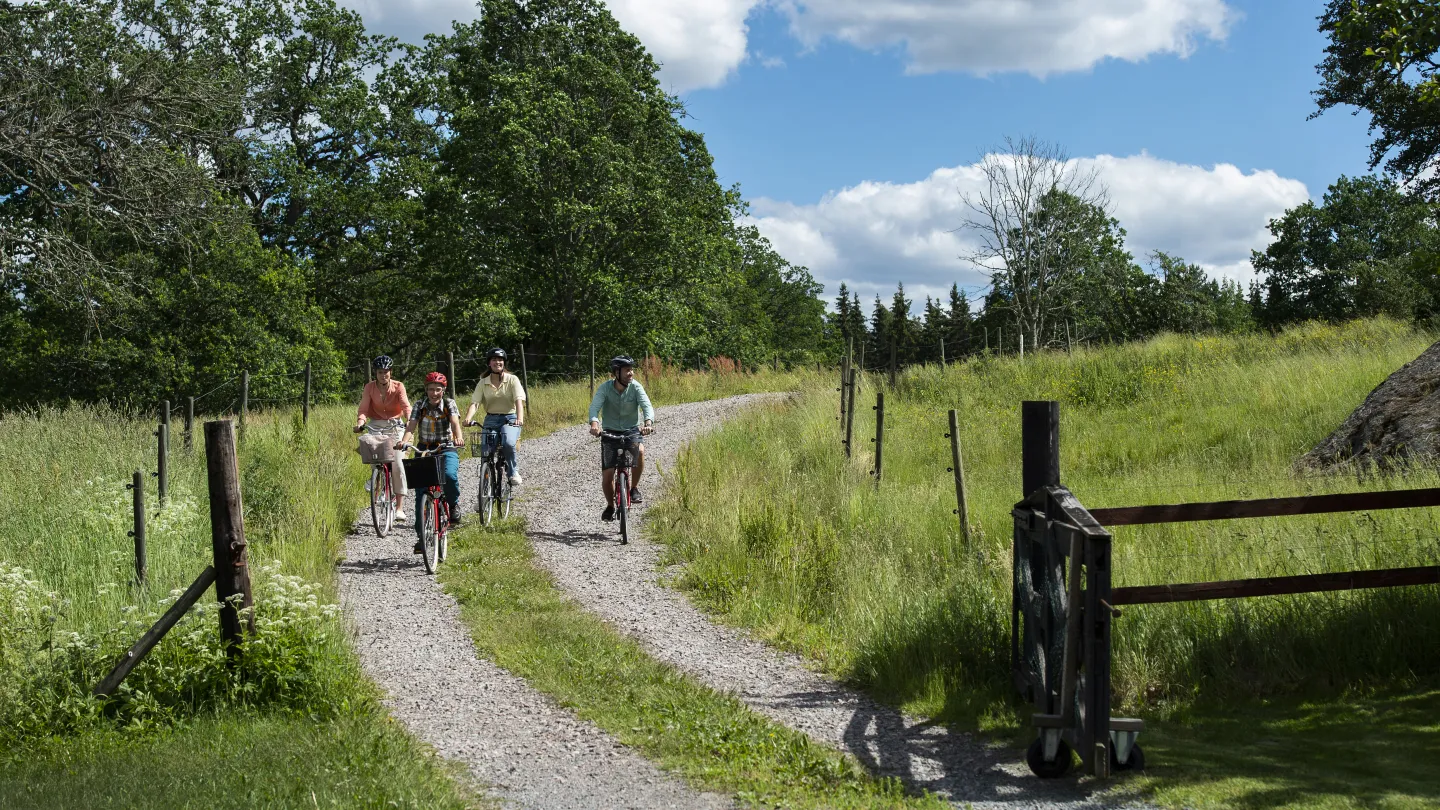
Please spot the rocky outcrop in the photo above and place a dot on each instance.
(1400, 420)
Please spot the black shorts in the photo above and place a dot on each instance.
(610, 449)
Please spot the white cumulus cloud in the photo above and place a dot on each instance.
(1040, 37)
(875, 234)
(698, 43)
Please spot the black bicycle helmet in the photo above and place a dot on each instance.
(619, 362)
(494, 353)
(382, 362)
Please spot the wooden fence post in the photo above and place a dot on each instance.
(892, 362)
(137, 485)
(305, 405)
(592, 369)
(162, 454)
(227, 535)
(244, 401)
(844, 380)
(1095, 653)
(454, 384)
(1039, 445)
(879, 434)
(524, 376)
(959, 470)
(850, 412)
(189, 423)
(942, 351)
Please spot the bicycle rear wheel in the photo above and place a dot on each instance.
(425, 511)
(486, 506)
(622, 504)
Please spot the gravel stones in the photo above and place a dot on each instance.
(561, 501)
(526, 750)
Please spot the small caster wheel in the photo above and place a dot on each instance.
(1136, 762)
(1035, 758)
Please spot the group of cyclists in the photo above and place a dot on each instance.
(387, 417)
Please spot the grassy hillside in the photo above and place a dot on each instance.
(69, 607)
(780, 533)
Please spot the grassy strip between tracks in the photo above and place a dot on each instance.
(520, 620)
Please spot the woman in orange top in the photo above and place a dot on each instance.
(382, 411)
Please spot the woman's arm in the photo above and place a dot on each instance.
(520, 412)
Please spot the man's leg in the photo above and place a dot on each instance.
(639, 466)
(607, 485)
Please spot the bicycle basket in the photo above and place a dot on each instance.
(424, 472)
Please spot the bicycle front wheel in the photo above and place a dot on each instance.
(425, 513)
(505, 495)
(622, 505)
(487, 493)
(382, 502)
(444, 534)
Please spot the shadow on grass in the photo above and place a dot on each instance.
(1380, 751)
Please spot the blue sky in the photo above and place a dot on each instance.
(854, 126)
(839, 115)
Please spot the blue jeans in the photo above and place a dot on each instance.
(450, 461)
(509, 435)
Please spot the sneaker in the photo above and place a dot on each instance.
(455, 519)
(419, 549)
(635, 495)
(609, 513)
(516, 480)
(400, 516)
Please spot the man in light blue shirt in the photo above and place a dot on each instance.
(620, 406)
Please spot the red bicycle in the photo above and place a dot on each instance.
(425, 475)
(624, 444)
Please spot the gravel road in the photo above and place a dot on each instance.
(527, 751)
(562, 503)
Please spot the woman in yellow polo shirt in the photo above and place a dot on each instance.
(503, 399)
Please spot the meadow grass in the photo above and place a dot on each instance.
(68, 593)
(523, 622)
(780, 533)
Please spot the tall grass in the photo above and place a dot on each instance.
(781, 533)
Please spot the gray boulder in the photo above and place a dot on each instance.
(1400, 420)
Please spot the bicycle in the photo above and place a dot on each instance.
(494, 480)
(425, 475)
(624, 464)
(383, 504)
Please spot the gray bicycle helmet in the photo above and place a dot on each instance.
(619, 362)
(382, 362)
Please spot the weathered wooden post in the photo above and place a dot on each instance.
(137, 486)
(879, 434)
(959, 470)
(1000, 339)
(162, 454)
(1039, 467)
(189, 423)
(850, 412)
(844, 380)
(942, 351)
(244, 400)
(454, 386)
(227, 535)
(893, 367)
(525, 378)
(592, 369)
(305, 405)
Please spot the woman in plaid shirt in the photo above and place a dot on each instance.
(437, 418)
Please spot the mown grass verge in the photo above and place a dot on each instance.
(297, 716)
(781, 534)
(520, 620)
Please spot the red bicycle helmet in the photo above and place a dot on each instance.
(436, 377)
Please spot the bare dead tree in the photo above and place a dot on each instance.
(102, 137)
(1025, 218)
